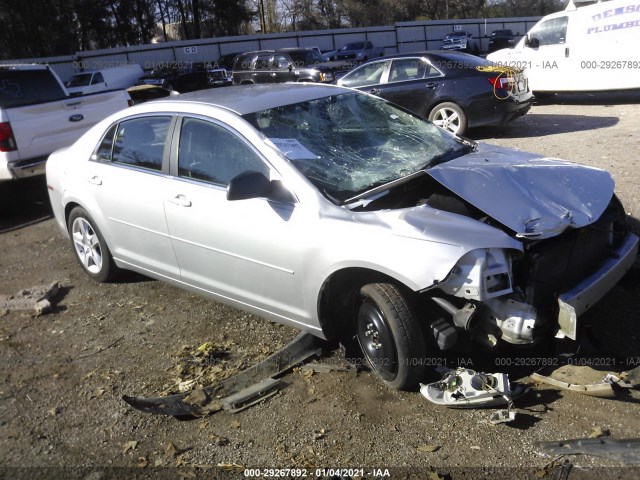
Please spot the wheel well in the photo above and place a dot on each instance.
(338, 298)
(441, 101)
(246, 82)
(67, 211)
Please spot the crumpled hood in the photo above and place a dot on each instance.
(535, 196)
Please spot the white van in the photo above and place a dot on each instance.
(91, 81)
(587, 48)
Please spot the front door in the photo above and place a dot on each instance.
(247, 251)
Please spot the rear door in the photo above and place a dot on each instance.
(127, 176)
(411, 83)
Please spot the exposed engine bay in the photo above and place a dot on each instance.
(497, 294)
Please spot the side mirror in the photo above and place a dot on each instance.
(531, 42)
(255, 185)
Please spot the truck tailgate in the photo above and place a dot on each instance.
(42, 128)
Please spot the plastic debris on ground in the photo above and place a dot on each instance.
(465, 388)
(37, 299)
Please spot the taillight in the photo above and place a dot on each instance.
(7, 142)
(500, 82)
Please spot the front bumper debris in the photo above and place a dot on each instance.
(236, 393)
(586, 293)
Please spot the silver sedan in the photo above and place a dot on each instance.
(338, 213)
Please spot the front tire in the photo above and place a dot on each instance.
(390, 337)
(90, 247)
(449, 116)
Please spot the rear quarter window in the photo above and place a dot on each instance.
(26, 87)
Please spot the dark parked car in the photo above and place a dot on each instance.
(500, 39)
(454, 90)
(462, 41)
(181, 77)
(145, 93)
(226, 61)
(219, 77)
(286, 65)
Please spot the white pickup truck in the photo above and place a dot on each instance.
(37, 117)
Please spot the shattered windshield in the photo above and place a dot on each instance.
(350, 143)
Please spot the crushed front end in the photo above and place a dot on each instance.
(523, 297)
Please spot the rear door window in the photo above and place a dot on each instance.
(407, 69)
(138, 142)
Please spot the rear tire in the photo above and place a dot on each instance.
(89, 246)
(390, 337)
(449, 116)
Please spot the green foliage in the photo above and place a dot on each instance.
(62, 27)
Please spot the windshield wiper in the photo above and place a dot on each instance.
(451, 153)
(384, 188)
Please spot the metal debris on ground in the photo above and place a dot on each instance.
(502, 416)
(36, 299)
(626, 451)
(240, 391)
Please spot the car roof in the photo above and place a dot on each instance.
(295, 49)
(431, 54)
(243, 99)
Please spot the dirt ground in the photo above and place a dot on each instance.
(64, 373)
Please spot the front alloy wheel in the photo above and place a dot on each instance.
(390, 337)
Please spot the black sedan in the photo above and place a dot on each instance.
(454, 90)
(183, 77)
(500, 39)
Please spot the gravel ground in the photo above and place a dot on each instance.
(64, 373)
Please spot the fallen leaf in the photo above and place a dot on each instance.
(218, 440)
(158, 463)
(196, 397)
(434, 476)
(186, 473)
(205, 346)
(98, 392)
(235, 424)
(126, 446)
(475, 447)
(202, 425)
(142, 462)
(597, 432)
(171, 449)
(428, 448)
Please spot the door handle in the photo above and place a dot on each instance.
(431, 85)
(95, 180)
(374, 91)
(273, 74)
(180, 200)
(566, 52)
